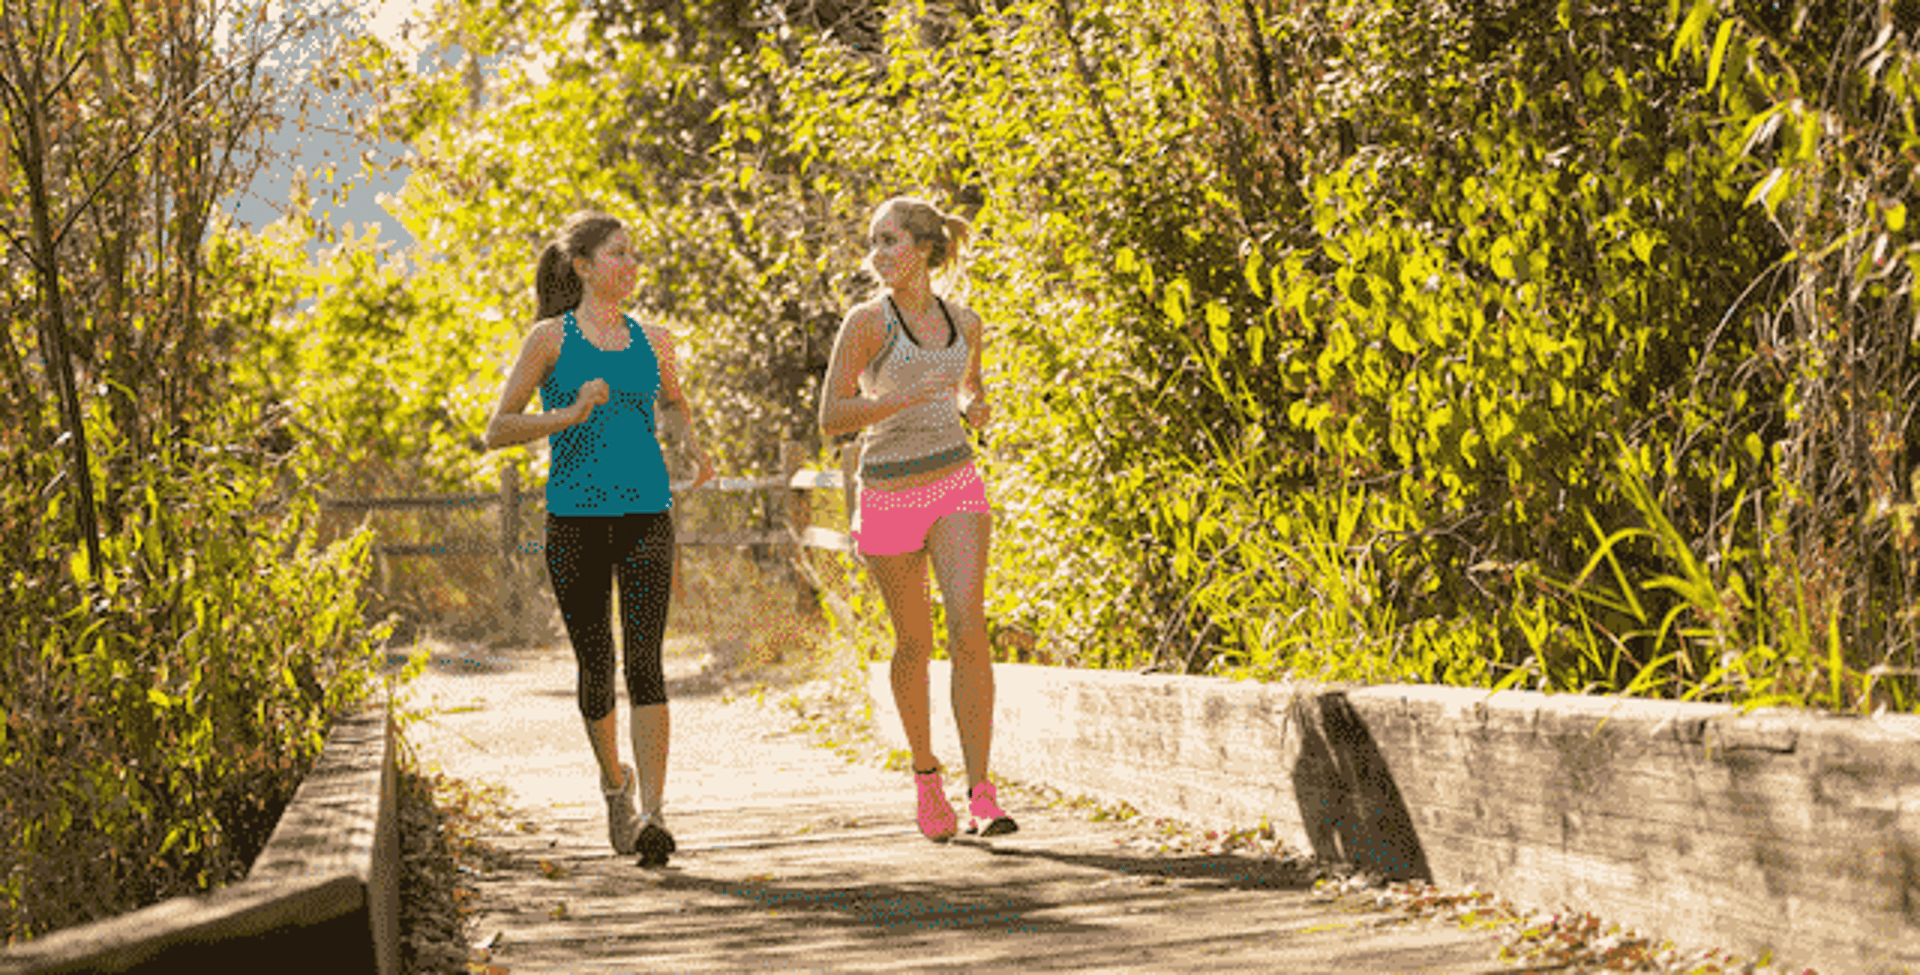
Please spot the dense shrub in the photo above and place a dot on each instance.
(1564, 345)
(160, 713)
(173, 639)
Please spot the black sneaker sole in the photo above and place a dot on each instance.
(654, 844)
(999, 827)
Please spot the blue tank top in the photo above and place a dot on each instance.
(611, 464)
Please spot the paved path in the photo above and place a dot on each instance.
(794, 859)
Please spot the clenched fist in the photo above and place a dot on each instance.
(592, 393)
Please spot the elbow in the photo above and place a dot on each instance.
(494, 438)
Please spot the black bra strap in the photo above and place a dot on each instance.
(953, 331)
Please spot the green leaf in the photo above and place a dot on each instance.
(1688, 36)
(1769, 190)
(1218, 318)
(1174, 303)
(1402, 337)
(1720, 39)
(1501, 260)
(1643, 247)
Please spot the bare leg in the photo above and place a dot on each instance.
(604, 734)
(650, 728)
(958, 546)
(903, 583)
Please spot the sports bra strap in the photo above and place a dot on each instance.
(896, 317)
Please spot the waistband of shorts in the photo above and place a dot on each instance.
(959, 476)
(887, 470)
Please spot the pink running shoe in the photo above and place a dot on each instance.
(937, 821)
(986, 809)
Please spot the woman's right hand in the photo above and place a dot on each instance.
(592, 393)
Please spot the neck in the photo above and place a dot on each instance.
(597, 313)
(914, 295)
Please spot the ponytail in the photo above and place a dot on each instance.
(557, 286)
(957, 232)
(556, 283)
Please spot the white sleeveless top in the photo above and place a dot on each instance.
(929, 435)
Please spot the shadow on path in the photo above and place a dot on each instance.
(1219, 872)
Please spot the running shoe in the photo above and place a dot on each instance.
(655, 843)
(623, 821)
(986, 809)
(937, 821)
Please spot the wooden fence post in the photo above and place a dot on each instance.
(510, 547)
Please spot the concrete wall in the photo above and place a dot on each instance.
(1783, 832)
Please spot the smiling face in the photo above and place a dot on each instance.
(892, 250)
(613, 269)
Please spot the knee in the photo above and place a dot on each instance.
(911, 655)
(967, 638)
(912, 645)
(649, 690)
(596, 700)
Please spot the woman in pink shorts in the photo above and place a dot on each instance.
(905, 372)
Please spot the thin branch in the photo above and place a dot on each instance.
(160, 121)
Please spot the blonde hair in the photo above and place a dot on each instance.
(928, 224)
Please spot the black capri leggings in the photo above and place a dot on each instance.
(586, 555)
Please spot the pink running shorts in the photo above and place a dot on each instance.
(896, 522)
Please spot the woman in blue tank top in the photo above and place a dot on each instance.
(608, 387)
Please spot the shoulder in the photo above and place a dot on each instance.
(964, 317)
(869, 312)
(546, 336)
(660, 337)
(865, 322)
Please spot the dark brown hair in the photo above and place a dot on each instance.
(555, 283)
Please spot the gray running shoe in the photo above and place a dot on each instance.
(623, 820)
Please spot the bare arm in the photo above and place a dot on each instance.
(510, 424)
(842, 407)
(674, 409)
(974, 388)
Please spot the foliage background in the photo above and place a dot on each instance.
(1561, 345)
(176, 637)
